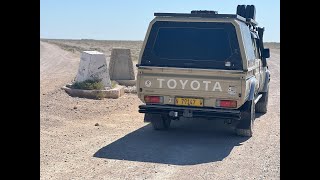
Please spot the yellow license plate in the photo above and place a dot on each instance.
(189, 101)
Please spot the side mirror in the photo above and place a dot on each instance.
(266, 53)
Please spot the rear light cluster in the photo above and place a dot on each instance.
(153, 99)
(226, 103)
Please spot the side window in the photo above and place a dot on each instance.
(248, 43)
(256, 49)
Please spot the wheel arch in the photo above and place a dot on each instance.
(253, 83)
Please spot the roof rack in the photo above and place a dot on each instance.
(248, 21)
(203, 12)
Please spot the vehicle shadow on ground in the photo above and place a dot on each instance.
(186, 143)
(258, 115)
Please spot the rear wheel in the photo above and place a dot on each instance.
(245, 126)
(162, 123)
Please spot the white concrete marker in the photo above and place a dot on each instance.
(93, 65)
(121, 66)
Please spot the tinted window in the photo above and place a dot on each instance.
(248, 44)
(192, 45)
(255, 42)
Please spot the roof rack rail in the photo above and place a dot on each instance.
(210, 15)
(203, 12)
(248, 21)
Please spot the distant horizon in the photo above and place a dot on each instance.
(118, 40)
(89, 39)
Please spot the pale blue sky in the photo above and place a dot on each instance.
(129, 19)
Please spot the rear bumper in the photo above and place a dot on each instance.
(196, 112)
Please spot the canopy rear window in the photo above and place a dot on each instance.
(192, 44)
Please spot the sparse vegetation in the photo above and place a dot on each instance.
(114, 84)
(93, 85)
(100, 95)
(89, 85)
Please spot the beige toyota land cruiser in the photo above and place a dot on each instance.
(204, 65)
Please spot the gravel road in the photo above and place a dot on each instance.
(122, 146)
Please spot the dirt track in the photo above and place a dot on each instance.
(124, 147)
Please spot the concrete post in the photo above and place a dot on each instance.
(93, 65)
(121, 66)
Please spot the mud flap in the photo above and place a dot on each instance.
(149, 117)
(245, 121)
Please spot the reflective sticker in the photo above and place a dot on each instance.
(147, 83)
(232, 90)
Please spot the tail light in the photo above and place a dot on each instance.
(226, 103)
(153, 99)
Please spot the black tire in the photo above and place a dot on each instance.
(248, 11)
(162, 123)
(245, 126)
(238, 9)
(262, 105)
(253, 12)
(241, 10)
